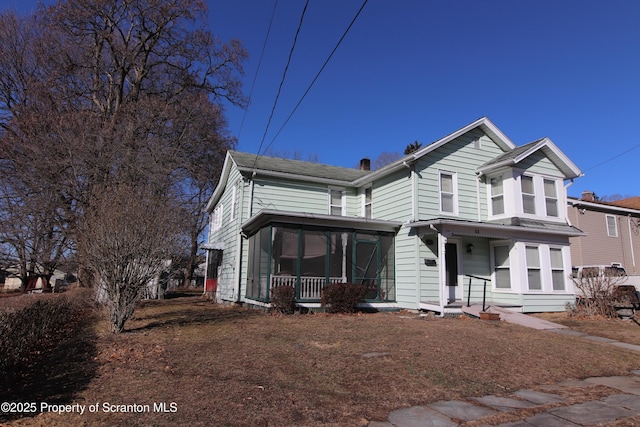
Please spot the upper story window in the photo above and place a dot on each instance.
(551, 197)
(528, 194)
(367, 202)
(497, 196)
(612, 226)
(336, 202)
(216, 218)
(448, 193)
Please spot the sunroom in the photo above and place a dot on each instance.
(309, 252)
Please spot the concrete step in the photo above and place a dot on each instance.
(513, 317)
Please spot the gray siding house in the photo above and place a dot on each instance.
(613, 234)
(467, 217)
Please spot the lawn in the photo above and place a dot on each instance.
(215, 365)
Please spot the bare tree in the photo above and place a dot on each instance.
(384, 159)
(126, 247)
(96, 93)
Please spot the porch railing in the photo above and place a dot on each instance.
(310, 286)
(484, 290)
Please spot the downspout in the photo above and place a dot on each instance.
(569, 184)
(479, 211)
(238, 267)
(253, 175)
(414, 217)
(633, 256)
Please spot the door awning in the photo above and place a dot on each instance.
(513, 227)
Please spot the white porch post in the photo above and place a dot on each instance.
(442, 272)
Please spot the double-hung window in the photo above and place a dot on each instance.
(551, 197)
(501, 266)
(528, 194)
(448, 196)
(216, 218)
(367, 202)
(336, 202)
(557, 269)
(497, 196)
(612, 226)
(533, 268)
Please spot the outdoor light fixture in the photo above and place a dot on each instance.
(469, 248)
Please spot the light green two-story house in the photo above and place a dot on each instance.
(468, 217)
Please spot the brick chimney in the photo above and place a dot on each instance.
(588, 196)
(365, 164)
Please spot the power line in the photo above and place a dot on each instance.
(284, 74)
(317, 75)
(613, 158)
(255, 77)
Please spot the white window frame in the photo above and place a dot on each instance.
(342, 204)
(500, 196)
(534, 268)
(609, 221)
(555, 198)
(216, 218)
(530, 196)
(494, 267)
(453, 193)
(367, 213)
(562, 269)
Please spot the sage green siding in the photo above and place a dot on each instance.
(229, 234)
(461, 156)
(290, 196)
(391, 197)
(538, 163)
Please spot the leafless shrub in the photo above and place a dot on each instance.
(129, 234)
(597, 286)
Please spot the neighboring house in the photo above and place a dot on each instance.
(467, 210)
(613, 234)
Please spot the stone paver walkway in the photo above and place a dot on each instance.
(552, 409)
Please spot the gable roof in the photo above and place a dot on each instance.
(482, 123)
(250, 163)
(518, 154)
(631, 203)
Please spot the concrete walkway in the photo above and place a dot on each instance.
(541, 408)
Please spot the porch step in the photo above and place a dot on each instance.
(513, 317)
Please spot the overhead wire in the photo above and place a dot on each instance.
(613, 158)
(255, 77)
(284, 75)
(316, 77)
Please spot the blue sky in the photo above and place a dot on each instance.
(418, 70)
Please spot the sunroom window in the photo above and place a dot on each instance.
(309, 259)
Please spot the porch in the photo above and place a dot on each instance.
(309, 288)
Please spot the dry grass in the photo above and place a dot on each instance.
(237, 367)
(617, 329)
